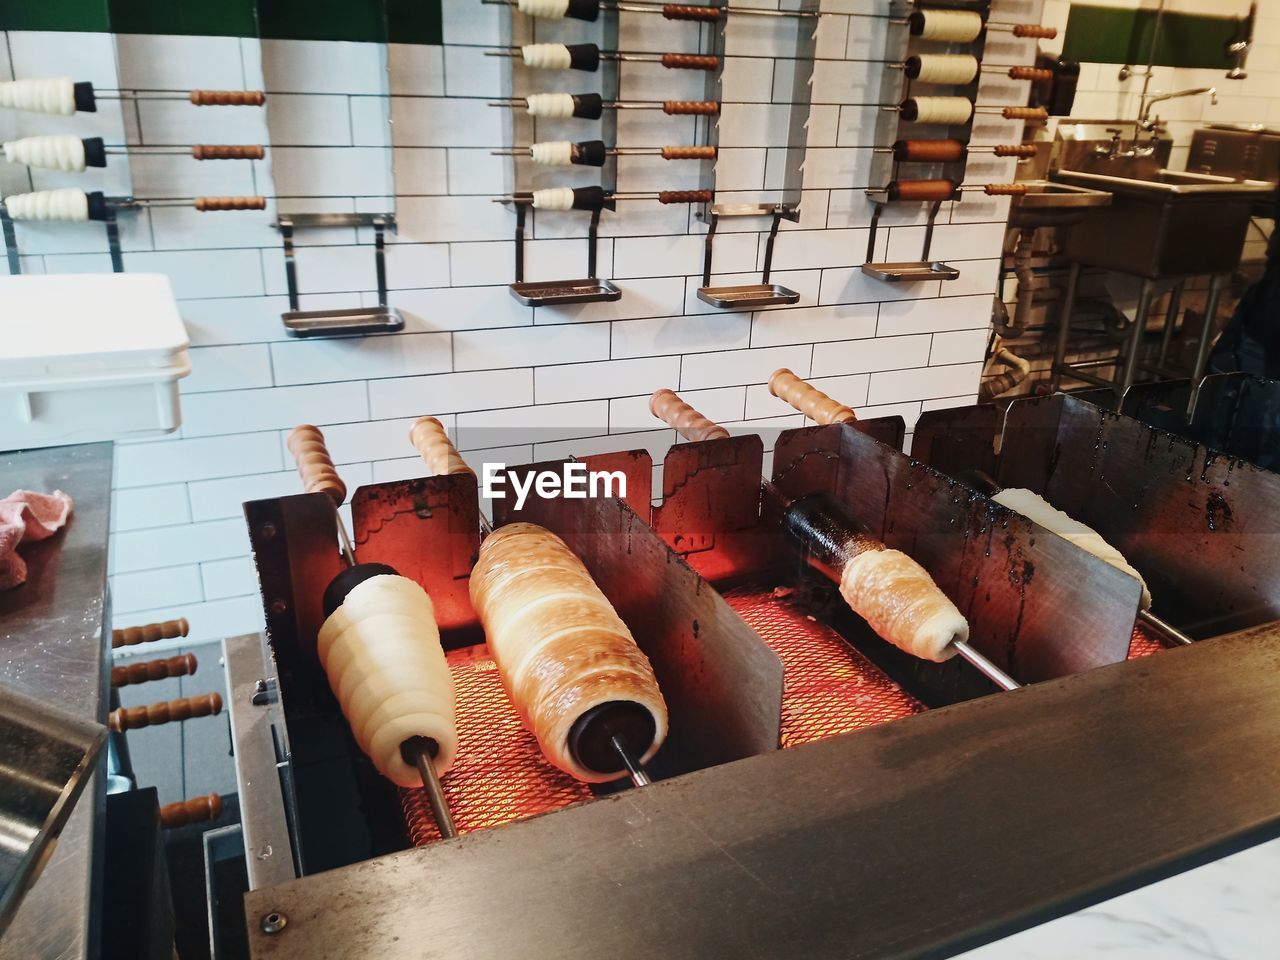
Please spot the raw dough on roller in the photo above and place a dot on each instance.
(902, 604)
(560, 646)
(1035, 507)
(381, 652)
(61, 151)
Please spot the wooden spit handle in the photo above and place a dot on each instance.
(150, 632)
(306, 443)
(929, 151)
(195, 810)
(1030, 73)
(685, 196)
(689, 61)
(808, 399)
(206, 204)
(703, 107)
(667, 406)
(441, 457)
(1015, 150)
(922, 189)
(227, 98)
(1025, 113)
(182, 665)
(682, 11)
(1035, 30)
(688, 153)
(1005, 189)
(228, 151)
(166, 711)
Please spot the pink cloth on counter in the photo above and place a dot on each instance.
(25, 515)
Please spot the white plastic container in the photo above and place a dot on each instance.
(87, 357)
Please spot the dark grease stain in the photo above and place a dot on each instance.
(1217, 512)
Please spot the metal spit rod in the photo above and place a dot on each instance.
(319, 475)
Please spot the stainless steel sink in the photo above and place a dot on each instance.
(1164, 223)
(1049, 204)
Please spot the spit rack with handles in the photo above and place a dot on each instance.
(73, 154)
(822, 409)
(64, 96)
(588, 57)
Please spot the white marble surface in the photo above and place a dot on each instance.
(1226, 910)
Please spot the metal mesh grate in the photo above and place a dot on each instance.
(1144, 642)
(500, 774)
(829, 688)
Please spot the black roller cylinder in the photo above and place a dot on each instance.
(590, 153)
(583, 56)
(828, 533)
(583, 9)
(95, 152)
(588, 106)
(589, 198)
(86, 101)
(348, 580)
(98, 209)
(591, 737)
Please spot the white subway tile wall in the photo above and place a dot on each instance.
(514, 381)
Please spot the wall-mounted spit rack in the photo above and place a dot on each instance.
(786, 203)
(602, 79)
(353, 321)
(893, 125)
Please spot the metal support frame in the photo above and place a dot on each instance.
(358, 320)
(923, 269)
(10, 243)
(751, 295)
(113, 242)
(542, 293)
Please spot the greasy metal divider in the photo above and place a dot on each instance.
(723, 686)
(1234, 413)
(1203, 527)
(840, 848)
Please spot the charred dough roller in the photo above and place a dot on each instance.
(888, 589)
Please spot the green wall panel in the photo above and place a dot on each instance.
(373, 21)
(1112, 35)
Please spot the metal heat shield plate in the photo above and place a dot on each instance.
(428, 529)
(1203, 527)
(1036, 605)
(959, 438)
(920, 838)
(46, 757)
(722, 684)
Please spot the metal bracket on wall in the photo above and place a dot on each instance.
(542, 293)
(335, 323)
(912, 270)
(10, 243)
(751, 295)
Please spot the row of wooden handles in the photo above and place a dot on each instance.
(195, 810)
(689, 153)
(315, 466)
(700, 107)
(667, 406)
(166, 711)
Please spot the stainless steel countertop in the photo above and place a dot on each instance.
(53, 646)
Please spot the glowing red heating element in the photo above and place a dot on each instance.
(829, 687)
(1144, 642)
(500, 774)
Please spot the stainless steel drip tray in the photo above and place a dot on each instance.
(546, 293)
(45, 759)
(336, 323)
(910, 271)
(748, 296)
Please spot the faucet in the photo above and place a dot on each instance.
(1149, 125)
